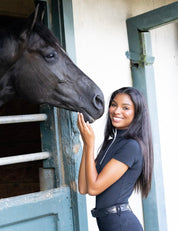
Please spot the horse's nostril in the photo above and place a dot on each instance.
(98, 102)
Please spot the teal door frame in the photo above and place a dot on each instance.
(60, 134)
(140, 54)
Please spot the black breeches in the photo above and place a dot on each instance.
(123, 221)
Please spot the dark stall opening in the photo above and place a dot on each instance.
(17, 139)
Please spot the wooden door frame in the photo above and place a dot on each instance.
(140, 54)
(60, 132)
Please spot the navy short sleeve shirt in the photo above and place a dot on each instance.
(127, 151)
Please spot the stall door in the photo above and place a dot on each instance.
(43, 211)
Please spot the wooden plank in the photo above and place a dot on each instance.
(49, 210)
(17, 8)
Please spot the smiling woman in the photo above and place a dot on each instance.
(121, 111)
(124, 163)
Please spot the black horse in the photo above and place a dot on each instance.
(34, 66)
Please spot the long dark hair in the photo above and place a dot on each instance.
(140, 130)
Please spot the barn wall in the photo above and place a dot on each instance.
(101, 43)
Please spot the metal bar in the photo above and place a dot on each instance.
(24, 158)
(22, 118)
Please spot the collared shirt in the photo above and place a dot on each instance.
(127, 151)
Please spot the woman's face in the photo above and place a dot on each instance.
(121, 111)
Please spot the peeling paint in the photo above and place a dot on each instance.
(76, 148)
(31, 198)
(73, 186)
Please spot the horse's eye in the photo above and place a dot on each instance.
(51, 57)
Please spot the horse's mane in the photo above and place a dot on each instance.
(13, 27)
(43, 31)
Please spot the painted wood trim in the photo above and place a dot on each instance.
(30, 211)
(71, 147)
(143, 79)
(63, 135)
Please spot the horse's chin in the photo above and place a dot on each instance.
(88, 118)
(70, 107)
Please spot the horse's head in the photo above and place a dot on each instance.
(41, 72)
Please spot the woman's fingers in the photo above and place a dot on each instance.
(81, 123)
(83, 127)
(86, 130)
(81, 120)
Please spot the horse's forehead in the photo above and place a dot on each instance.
(35, 41)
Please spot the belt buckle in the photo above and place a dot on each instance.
(112, 209)
(123, 207)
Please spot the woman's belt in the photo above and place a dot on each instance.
(113, 209)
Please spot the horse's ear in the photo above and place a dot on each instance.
(35, 16)
(38, 14)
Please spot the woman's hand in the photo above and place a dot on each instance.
(86, 130)
(89, 180)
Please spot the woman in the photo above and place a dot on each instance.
(124, 163)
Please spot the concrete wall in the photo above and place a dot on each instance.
(101, 43)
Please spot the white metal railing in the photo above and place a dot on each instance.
(22, 118)
(24, 158)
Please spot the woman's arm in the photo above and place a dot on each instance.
(114, 169)
(89, 141)
(82, 184)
